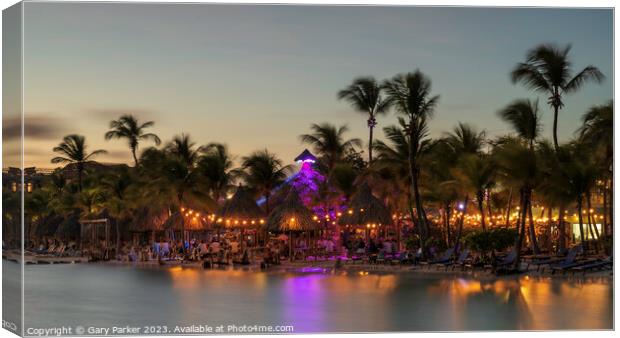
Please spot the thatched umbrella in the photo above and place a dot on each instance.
(366, 210)
(149, 219)
(241, 210)
(291, 216)
(189, 222)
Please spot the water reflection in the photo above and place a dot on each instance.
(312, 301)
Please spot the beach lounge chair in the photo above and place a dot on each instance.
(570, 256)
(505, 263)
(562, 262)
(443, 259)
(604, 264)
(460, 261)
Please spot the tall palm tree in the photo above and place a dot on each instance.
(519, 170)
(410, 95)
(524, 117)
(264, 171)
(73, 151)
(597, 134)
(547, 69)
(127, 127)
(364, 95)
(329, 143)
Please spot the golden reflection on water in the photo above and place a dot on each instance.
(537, 302)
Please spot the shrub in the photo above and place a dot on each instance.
(497, 239)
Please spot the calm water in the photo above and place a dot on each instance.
(311, 301)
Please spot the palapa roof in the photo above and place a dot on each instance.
(365, 209)
(148, 219)
(241, 206)
(192, 223)
(291, 215)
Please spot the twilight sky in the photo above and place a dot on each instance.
(258, 76)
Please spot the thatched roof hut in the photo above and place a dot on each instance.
(292, 215)
(149, 219)
(194, 222)
(241, 210)
(365, 209)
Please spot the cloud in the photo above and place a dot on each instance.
(36, 127)
(105, 114)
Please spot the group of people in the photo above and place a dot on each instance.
(218, 249)
(371, 246)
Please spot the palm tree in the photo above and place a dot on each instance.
(216, 166)
(127, 127)
(73, 151)
(553, 189)
(117, 186)
(183, 148)
(329, 143)
(409, 94)
(524, 117)
(364, 95)
(264, 171)
(392, 164)
(476, 174)
(597, 134)
(440, 185)
(465, 139)
(580, 177)
(547, 69)
(519, 169)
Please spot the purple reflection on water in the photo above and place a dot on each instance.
(304, 299)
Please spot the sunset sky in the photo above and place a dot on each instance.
(257, 76)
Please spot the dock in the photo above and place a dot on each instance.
(43, 259)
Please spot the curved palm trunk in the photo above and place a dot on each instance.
(589, 205)
(489, 211)
(549, 225)
(605, 208)
(561, 230)
(532, 231)
(524, 204)
(556, 110)
(446, 223)
(508, 208)
(371, 127)
(479, 198)
(135, 158)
